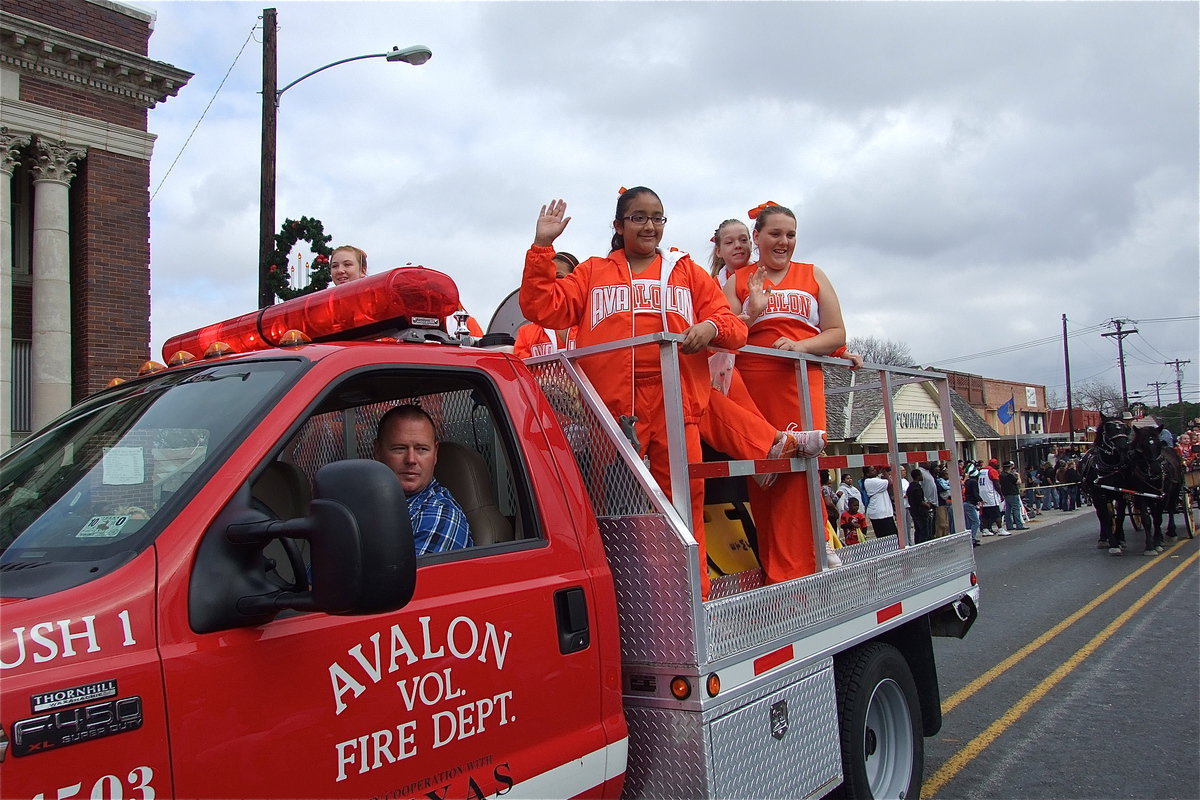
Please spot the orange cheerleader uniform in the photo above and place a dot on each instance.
(534, 340)
(783, 515)
(607, 302)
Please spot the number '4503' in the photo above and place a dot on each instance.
(110, 787)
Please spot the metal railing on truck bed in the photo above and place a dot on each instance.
(653, 555)
(736, 696)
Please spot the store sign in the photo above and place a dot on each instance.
(925, 420)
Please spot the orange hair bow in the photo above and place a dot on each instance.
(754, 212)
(621, 191)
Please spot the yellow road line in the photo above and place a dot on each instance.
(974, 686)
(977, 745)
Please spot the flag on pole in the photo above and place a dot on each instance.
(1007, 411)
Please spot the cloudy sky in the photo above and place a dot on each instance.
(966, 173)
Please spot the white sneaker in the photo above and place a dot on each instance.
(798, 444)
(1004, 533)
(987, 532)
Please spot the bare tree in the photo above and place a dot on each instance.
(1098, 396)
(1056, 400)
(881, 351)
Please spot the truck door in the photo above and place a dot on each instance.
(487, 683)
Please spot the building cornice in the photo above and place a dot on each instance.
(26, 118)
(132, 11)
(77, 61)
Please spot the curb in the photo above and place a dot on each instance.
(1044, 520)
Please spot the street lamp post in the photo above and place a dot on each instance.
(415, 55)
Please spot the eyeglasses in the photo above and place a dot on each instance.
(640, 219)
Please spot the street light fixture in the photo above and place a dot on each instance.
(415, 55)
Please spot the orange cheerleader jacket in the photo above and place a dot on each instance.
(601, 297)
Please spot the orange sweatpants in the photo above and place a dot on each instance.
(734, 424)
(651, 430)
(783, 514)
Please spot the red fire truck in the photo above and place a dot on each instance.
(209, 589)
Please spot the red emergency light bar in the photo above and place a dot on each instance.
(399, 298)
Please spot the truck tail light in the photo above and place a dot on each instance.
(681, 687)
(399, 298)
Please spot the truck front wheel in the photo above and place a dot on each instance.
(879, 717)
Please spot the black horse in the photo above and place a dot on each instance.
(1156, 471)
(1102, 475)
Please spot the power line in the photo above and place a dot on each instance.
(1016, 347)
(202, 114)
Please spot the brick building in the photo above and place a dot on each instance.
(1083, 422)
(75, 89)
(1029, 423)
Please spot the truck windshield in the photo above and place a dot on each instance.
(95, 488)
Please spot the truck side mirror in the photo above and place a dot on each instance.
(367, 495)
(363, 557)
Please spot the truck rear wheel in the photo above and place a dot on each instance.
(879, 717)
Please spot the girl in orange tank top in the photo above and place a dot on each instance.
(788, 306)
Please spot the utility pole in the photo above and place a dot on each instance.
(1178, 365)
(266, 196)
(416, 55)
(1121, 334)
(1067, 362)
(1158, 391)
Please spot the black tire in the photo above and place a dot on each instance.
(879, 718)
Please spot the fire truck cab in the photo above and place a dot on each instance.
(209, 589)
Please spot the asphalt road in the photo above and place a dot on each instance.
(1081, 677)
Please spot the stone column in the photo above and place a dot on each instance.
(53, 167)
(10, 154)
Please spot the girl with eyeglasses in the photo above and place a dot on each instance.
(638, 289)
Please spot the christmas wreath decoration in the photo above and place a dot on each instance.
(278, 269)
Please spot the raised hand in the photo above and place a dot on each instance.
(551, 222)
(756, 301)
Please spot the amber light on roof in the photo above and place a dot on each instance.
(217, 349)
(294, 338)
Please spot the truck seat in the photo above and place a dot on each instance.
(284, 489)
(464, 472)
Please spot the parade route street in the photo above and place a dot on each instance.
(1081, 677)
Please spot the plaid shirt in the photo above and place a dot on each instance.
(438, 523)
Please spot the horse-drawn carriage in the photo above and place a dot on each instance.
(1130, 467)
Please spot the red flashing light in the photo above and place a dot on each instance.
(352, 310)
